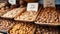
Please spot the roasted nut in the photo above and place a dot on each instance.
(22, 28)
(13, 13)
(27, 16)
(49, 15)
(5, 24)
(46, 30)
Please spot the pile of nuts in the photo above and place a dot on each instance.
(22, 28)
(27, 16)
(46, 30)
(48, 15)
(13, 13)
(6, 24)
(3, 10)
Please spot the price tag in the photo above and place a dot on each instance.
(32, 7)
(12, 2)
(48, 3)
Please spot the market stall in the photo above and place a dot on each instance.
(29, 17)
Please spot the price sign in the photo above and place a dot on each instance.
(48, 3)
(32, 7)
(12, 2)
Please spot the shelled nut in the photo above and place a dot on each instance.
(22, 28)
(48, 15)
(27, 16)
(46, 30)
(6, 24)
(13, 13)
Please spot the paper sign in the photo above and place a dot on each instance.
(12, 2)
(32, 6)
(48, 3)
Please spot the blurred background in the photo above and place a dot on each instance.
(57, 2)
(40, 1)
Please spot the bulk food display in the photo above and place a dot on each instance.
(6, 24)
(29, 17)
(13, 13)
(22, 28)
(49, 15)
(46, 30)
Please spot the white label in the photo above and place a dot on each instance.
(32, 7)
(48, 3)
(12, 2)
